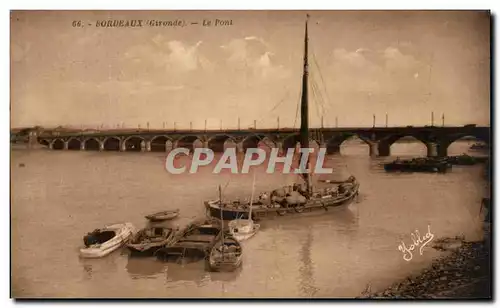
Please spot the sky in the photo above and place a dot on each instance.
(404, 64)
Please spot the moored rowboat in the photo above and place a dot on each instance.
(148, 240)
(164, 215)
(102, 242)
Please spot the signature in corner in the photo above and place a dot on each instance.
(417, 241)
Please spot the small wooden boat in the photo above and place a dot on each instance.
(148, 240)
(226, 255)
(193, 242)
(102, 242)
(243, 229)
(164, 215)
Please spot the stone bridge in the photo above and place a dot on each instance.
(436, 139)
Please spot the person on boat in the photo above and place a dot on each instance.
(263, 197)
(341, 189)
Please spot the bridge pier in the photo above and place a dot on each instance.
(332, 148)
(432, 149)
(32, 140)
(148, 145)
(101, 146)
(123, 146)
(168, 146)
(143, 146)
(82, 145)
(384, 149)
(279, 146)
(239, 148)
(442, 149)
(373, 148)
(66, 145)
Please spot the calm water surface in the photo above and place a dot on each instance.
(59, 196)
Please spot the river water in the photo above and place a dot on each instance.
(58, 196)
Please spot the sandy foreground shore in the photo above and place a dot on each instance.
(463, 273)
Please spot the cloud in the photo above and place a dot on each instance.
(254, 54)
(174, 54)
(377, 71)
(396, 60)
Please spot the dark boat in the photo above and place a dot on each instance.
(193, 243)
(465, 160)
(418, 165)
(479, 146)
(162, 216)
(297, 198)
(148, 240)
(226, 255)
(283, 201)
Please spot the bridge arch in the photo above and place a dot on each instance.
(74, 144)
(404, 145)
(58, 144)
(290, 141)
(92, 144)
(134, 143)
(353, 145)
(161, 143)
(188, 142)
(459, 144)
(258, 141)
(44, 142)
(217, 143)
(111, 143)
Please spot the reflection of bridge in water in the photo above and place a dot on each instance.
(436, 139)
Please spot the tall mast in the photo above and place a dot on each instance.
(251, 198)
(304, 110)
(221, 216)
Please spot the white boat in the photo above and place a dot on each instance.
(101, 242)
(243, 229)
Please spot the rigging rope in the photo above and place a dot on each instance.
(297, 111)
(321, 76)
(272, 109)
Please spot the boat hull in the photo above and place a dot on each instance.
(123, 233)
(243, 236)
(162, 216)
(189, 246)
(148, 240)
(226, 266)
(406, 167)
(313, 205)
(226, 260)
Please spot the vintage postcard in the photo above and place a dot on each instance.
(250, 154)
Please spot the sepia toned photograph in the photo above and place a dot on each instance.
(279, 154)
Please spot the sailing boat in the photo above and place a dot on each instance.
(296, 198)
(243, 229)
(226, 254)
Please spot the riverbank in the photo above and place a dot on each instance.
(462, 274)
